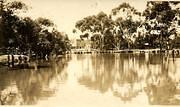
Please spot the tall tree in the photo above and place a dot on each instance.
(97, 24)
(159, 17)
(127, 20)
(28, 31)
(9, 19)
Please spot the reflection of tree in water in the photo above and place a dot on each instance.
(80, 56)
(125, 91)
(128, 75)
(115, 72)
(155, 59)
(127, 81)
(161, 92)
(35, 86)
(101, 78)
(161, 83)
(31, 85)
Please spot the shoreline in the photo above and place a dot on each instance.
(135, 51)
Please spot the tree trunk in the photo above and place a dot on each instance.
(12, 60)
(8, 60)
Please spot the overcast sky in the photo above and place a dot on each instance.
(64, 13)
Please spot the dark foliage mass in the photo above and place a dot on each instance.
(28, 36)
(125, 27)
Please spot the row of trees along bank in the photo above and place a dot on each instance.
(125, 27)
(27, 36)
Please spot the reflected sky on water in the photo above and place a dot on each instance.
(96, 80)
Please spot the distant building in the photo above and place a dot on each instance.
(83, 44)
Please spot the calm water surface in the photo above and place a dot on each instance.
(96, 80)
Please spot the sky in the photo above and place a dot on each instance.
(65, 13)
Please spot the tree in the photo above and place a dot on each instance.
(126, 20)
(44, 22)
(86, 35)
(126, 31)
(160, 16)
(28, 31)
(96, 24)
(50, 40)
(61, 42)
(8, 22)
(96, 41)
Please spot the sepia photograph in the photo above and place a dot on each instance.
(90, 53)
